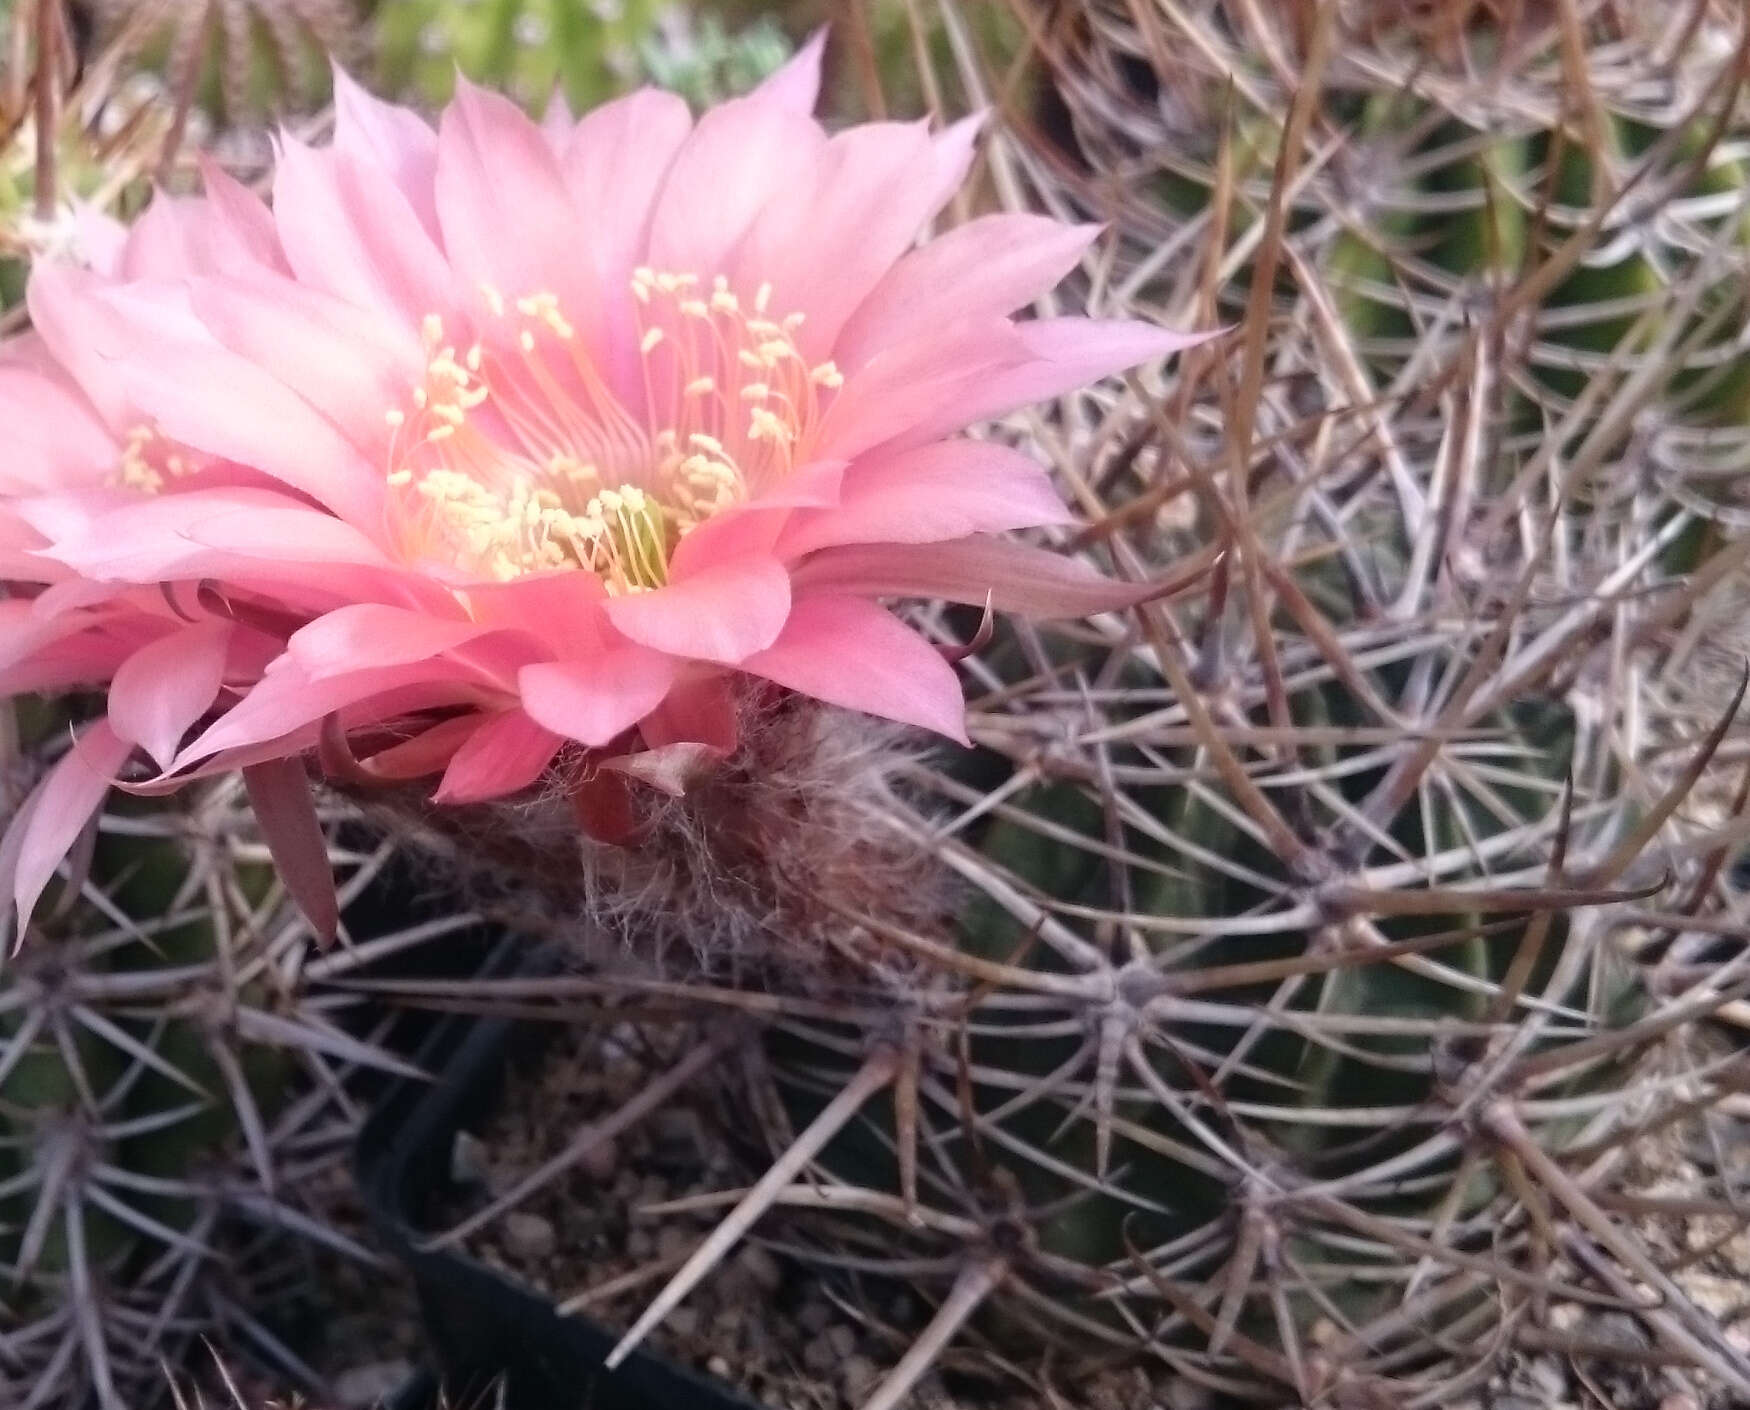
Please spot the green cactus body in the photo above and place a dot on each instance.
(585, 50)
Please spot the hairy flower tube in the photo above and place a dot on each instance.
(482, 443)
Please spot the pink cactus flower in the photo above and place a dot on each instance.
(504, 438)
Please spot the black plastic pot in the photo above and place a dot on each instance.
(493, 1342)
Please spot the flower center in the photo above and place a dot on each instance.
(516, 454)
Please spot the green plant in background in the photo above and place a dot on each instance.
(586, 50)
(166, 1081)
(693, 53)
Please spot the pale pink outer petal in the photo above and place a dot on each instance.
(721, 613)
(987, 268)
(349, 232)
(795, 86)
(504, 755)
(849, 651)
(164, 688)
(75, 327)
(252, 534)
(183, 235)
(900, 399)
(279, 796)
(207, 397)
(245, 216)
(595, 701)
(738, 159)
(495, 166)
(614, 164)
(59, 810)
(351, 366)
(1013, 577)
(829, 235)
(53, 438)
(942, 491)
(395, 139)
(924, 381)
(100, 238)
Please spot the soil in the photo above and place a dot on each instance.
(792, 1339)
(767, 1324)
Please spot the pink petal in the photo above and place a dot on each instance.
(53, 437)
(740, 158)
(351, 366)
(76, 327)
(900, 398)
(279, 794)
(396, 140)
(796, 86)
(849, 652)
(427, 752)
(205, 396)
(504, 755)
(1013, 577)
(926, 382)
(60, 808)
(832, 232)
(350, 232)
(213, 533)
(369, 635)
(614, 164)
(286, 700)
(182, 235)
(248, 223)
(986, 268)
(493, 161)
(164, 688)
(942, 491)
(721, 613)
(594, 701)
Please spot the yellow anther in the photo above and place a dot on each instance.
(695, 308)
(401, 477)
(762, 298)
(431, 330)
(701, 386)
(395, 416)
(647, 344)
(826, 375)
(755, 391)
(494, 300)
(526, 341)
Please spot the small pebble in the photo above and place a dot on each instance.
(842, 1340)
(468, 1162)
(683, 1323)
(600, 1161)
(529, 1235)
(718, 1367)
(858, 1375)
(819, 1357)
(672, 1241)
(369, 1385)
(760, 1266)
